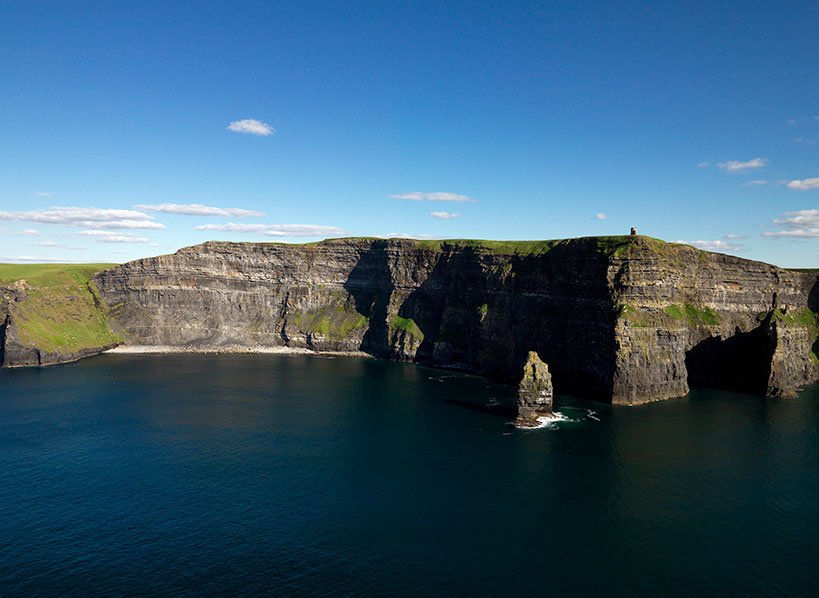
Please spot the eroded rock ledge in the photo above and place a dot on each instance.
(619, 319)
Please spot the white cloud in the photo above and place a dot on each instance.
(104, 236)
(29, 232)
(42, 193)
(434, 196)
(714, 245)
(277, 230)
(734, 237)
(736, 166)
(55, 244)
(754, 183)
(251, 126)
(804, 140)
(445, 215)
(803, 184)
(197, 209)
(703, 164)
(86, 217)
(39, 260)
(125, 224)
(601, 216)
(802, 224)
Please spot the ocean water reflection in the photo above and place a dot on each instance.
(196, 474)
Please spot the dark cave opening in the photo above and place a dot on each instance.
(741, 362)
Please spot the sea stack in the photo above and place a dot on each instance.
(534, 391)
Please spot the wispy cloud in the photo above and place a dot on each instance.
(57, 245)
(29, 232)
(445, 215)
(104, 236)
(703, 164)
(38, 260)
(277, 230)
(804, 140)
(42, 193)
(714, 245)
(197, 209)
(803, 184)
(434, 196)
(754, 183)
(87, 217)
(734, 237)
(801, 224)
(601, 216)
(251, 126)
(737, 166)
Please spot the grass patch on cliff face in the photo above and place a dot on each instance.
(689, 315)
(693, 315)
(803, 317)
(636, 317)
(61, 311)
(407, 325)
(335, 323)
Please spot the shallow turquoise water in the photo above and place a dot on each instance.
(247, 474)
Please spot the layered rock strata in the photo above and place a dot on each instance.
(619, 319)
(535, 393)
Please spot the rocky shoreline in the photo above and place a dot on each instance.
(228, 350)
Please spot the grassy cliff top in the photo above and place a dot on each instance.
(40, 275)
(612, 245)
(60, 310)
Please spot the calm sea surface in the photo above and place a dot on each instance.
(249, 474)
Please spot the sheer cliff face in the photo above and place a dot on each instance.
(625, 320)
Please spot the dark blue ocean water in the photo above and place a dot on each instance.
(252, 474)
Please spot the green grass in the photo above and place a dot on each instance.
(62, 310)
(407, 325)
(498, 247)
(44, 275)
(693, 315)
(335, 323)
(802, 317)
(637, 317)
(690, 315)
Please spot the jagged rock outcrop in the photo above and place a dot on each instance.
(619, 319)
(535, 393)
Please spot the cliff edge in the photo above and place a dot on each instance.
(619, 319)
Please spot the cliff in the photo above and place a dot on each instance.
(620, 319)
(50, 314)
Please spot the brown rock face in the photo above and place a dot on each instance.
(618, 319)
(535, 392)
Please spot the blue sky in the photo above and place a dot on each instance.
(694, 121)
